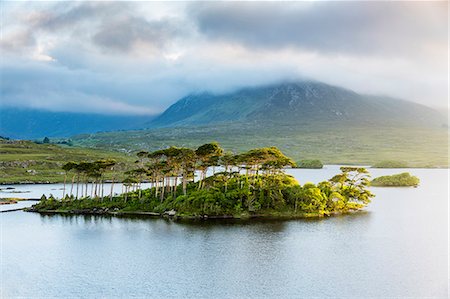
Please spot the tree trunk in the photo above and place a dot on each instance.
(140, 191)
(184, 184)
(102, 184)
(168, 185)
(200, 180)
(176, 185)
(71, 187)
(64, 189)
(112, 189)
(162, 189)
(78, 183)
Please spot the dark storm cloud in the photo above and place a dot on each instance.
(330, 27)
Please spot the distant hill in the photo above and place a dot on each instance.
(296, 103)
(26, 162)
(306, 120)
(32, 123)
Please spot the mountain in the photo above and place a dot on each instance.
(295, 103)
(32, 123)
(306, 120)
(301, 103)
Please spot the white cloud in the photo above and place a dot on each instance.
(139, 57)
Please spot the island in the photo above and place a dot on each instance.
(404, 179)
(33, 162)
(310, 164)
(8, 201)
(245, 185)
(390, 164)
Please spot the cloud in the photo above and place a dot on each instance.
(43, 86)
(17, 40)
(111, 26)
(67, 15)
(139, 57)
(329, 27)
(125, 34)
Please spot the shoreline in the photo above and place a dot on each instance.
(168, 215)
(12, 200)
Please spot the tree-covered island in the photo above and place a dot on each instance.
(404, 179)
(207, 183)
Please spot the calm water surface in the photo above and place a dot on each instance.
(397, 248)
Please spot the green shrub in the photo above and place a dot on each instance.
(397, 180)
(312, 164)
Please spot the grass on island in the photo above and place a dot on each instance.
(310, 164)
(264, 189)
(397, 180)
(28, 162)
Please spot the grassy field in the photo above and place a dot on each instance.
(26, 161)
(367, 145)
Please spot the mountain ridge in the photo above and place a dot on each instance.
(27, 123)
(294, 102)
(305, 120)
(300, 103)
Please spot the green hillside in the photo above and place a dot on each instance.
(26, 161)
(306, 120)
(336, 144)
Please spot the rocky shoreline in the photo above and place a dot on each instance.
(173, 214)
(9, 201)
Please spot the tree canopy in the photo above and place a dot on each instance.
(246, 183)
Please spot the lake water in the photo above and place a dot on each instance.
(397, 248)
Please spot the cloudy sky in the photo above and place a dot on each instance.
(140, 57)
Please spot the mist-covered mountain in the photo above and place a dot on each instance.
(303, 104)
(32, 123)
(306, 120)
(297, 103)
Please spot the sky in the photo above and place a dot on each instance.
(137, 58)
